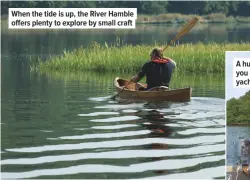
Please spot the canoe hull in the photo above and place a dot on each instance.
(175, 95)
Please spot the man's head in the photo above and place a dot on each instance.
(156, 52)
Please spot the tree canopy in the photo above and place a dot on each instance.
(234, 8)
(238, 110)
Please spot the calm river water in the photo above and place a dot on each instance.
(63, 125)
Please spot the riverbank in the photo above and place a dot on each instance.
(190, 58)
(171, 18)
(238, 124)
(237, 121)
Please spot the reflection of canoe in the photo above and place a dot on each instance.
(130, 92)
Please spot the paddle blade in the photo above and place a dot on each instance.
(183, 31)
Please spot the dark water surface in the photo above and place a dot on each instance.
(42, 42)
(63, 125)
(69, 128)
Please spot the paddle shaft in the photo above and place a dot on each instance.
(121, 90)
(183, 31)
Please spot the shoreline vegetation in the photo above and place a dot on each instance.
(190, 58)
(176, 18)
(238, 111)
(173, 18)
(239, 124)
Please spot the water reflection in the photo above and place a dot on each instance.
(63, 125)
(157, 124)
(76, 126)
(45, 42)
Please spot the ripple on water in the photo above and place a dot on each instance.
(207, 173)
(99, 99)
(123, 143)
(123, 138)
(99, 113)
(119, 126)
(106, 135)
(116, 119)
(121, 106)
(202, 130)
(204, 149)
(140, 167)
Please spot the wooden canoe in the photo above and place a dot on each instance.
(157, 94)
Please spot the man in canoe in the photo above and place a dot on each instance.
(158, 70)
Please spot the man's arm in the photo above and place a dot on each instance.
(140, 75)
(136, 78)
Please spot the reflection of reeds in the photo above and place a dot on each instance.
(84, 77)
(194, 58)
(178, 78)
(214, 82)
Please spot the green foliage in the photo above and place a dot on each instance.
(190, 58)
(217, 7)
(238, 110)
(216, 17)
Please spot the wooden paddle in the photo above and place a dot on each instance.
(182, 32)
(113, 97)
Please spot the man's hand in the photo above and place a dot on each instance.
(171, 60)
(135, 79)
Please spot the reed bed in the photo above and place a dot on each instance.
(190, 58)
(169, 18)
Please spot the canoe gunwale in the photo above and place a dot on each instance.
(174, 95)
(132, 90)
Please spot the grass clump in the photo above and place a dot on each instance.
(175, 17)
(191, 58)
(168, 18)
(242, 19)
(216, 18)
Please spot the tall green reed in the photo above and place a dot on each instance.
(190, 58)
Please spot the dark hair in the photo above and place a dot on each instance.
(156, 52)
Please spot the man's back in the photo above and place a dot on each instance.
(158, 70)
(157, 74)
